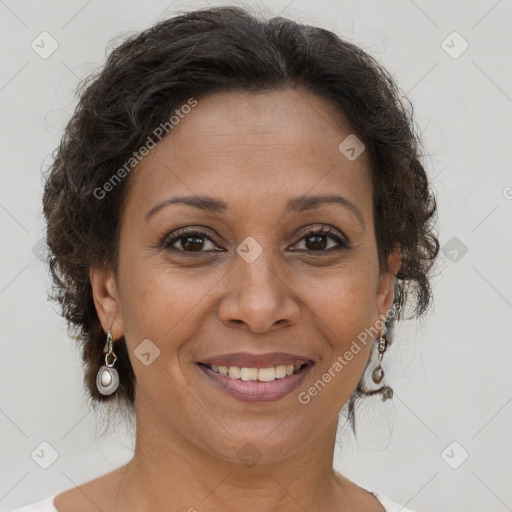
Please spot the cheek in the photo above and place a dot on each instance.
(344, 297)
(343, 319)
(157, 299)
(343, 308)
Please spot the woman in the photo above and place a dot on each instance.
(234, 215)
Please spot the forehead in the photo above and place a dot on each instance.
(249, 146)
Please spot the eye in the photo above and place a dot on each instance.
(196, 241)
(189, 240)
(317, 240)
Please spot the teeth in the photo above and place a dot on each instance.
(234, 372)
(280, 371)
(261, 374)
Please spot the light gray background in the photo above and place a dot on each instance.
(451, 373)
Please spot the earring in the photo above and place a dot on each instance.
(107, 379)
(378, 372)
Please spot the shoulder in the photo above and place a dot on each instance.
(389, 505)
(45, 505)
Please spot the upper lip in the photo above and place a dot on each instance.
(248, 360)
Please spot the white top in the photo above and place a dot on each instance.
(46, 505)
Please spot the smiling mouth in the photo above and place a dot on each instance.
(267, 374)
(257, 385)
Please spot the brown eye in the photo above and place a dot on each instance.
(189, 241)
(192, 243)
(317, 240)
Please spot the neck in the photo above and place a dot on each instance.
(169, 469)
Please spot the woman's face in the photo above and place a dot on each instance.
(254, 280)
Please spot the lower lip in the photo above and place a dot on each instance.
(255, 390)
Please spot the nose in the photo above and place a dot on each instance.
(259, 296)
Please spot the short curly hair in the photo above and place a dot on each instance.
(150, 75)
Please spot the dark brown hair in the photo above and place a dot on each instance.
(150, 75)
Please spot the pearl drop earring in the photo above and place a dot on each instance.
(107, 379)
(378, 372)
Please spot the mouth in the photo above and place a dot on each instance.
(267, 374)
(252, 384)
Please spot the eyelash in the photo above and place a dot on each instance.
(190, 232)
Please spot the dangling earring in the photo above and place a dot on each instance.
(378, 372)
(107, 379)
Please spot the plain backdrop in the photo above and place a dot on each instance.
(443, 443)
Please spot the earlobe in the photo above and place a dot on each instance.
(106, 300)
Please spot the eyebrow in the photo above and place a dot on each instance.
(215, 205)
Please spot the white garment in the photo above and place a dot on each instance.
(46, 505)
(389, 506)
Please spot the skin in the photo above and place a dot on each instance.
(254, 152)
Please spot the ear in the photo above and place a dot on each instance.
(106, 300)
(385, 288)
